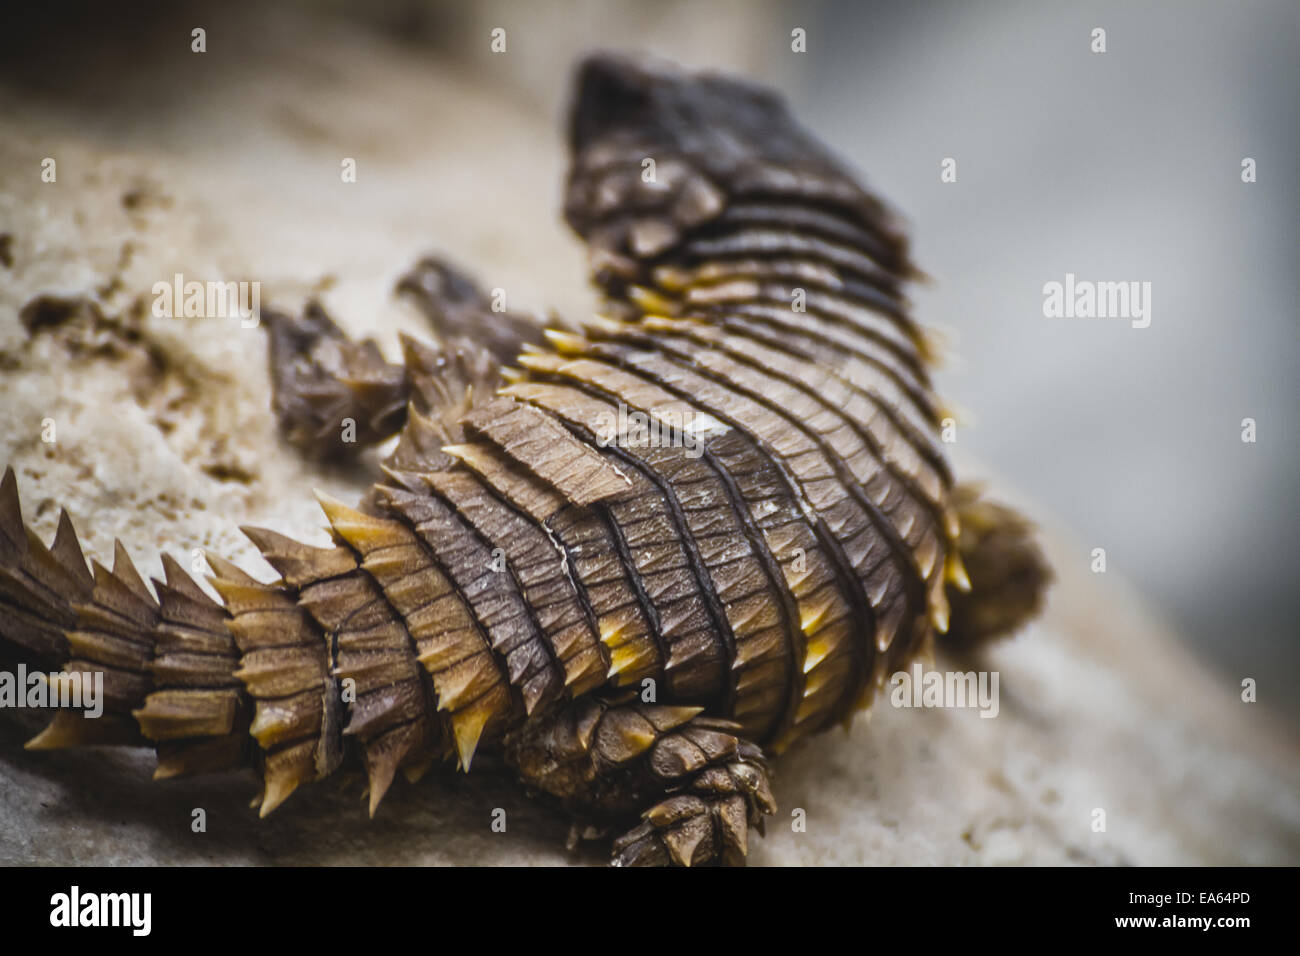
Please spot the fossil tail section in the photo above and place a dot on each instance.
(364, 653)
(166, 663)
(1008, 575)
(290, 677)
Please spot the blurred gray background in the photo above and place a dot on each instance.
(1117, 166)
(1123, 166)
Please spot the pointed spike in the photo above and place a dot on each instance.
(403, 480)
(67, 550)
(417, 353)
(228, 571)
(673, 278)
(566, 343)
(380, 773)
(609, 635)
(818, 649)
(176, 578)
(809, 623)
(956, 572)
(939, 614)
(576, 675)
(453, 682)
(333, 508)
(11, 512)
(126, 573)
(604, 323)
(71, 729)
(951, 523)
(467, 726)
(364, 532)
(278, 789)
(948, 409)
(57, 735)
(621, 658)
(682, 841)
(932, 344)
(299, 563)
(649, 301)
(264, 538)
(539, 361)
(884, 637)
(460, 451)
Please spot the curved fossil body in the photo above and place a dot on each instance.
(665, 543)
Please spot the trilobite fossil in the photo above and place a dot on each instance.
(636, 557)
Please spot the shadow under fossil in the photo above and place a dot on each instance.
(107, 809)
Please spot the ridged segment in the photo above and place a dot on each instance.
(198, 712)
(544, 447)
(880, 561)
(592, 552)
(821, 623)
(879, 458)
(654, 532)
(488, 587)
(285, 667)
(449, 642)
(390, 710)
(539, 567)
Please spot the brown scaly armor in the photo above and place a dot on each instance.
(653, 552)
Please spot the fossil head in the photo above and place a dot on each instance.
(658, 150)
(671, 109)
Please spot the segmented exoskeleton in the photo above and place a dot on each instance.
(658, 547)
